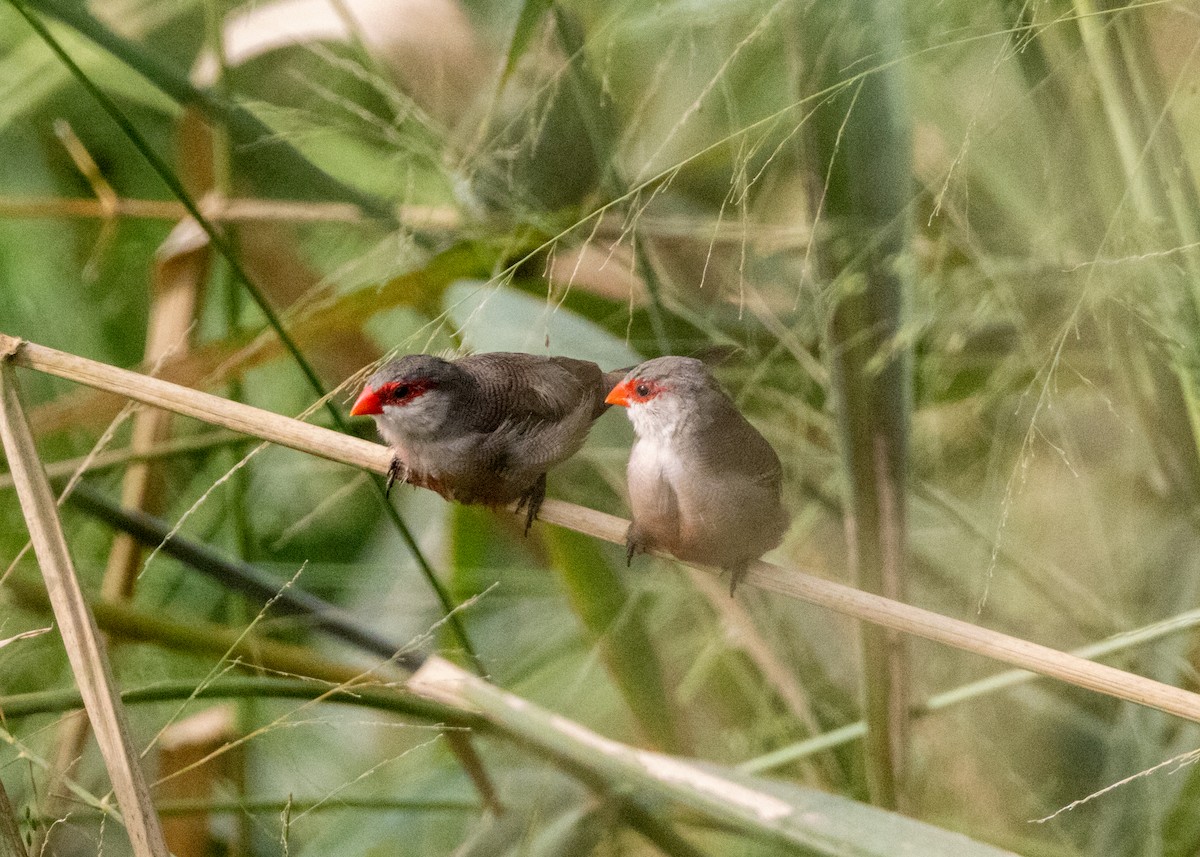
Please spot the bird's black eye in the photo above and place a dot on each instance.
(642, 390)
(401, 392)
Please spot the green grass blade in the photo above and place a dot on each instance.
(614, 623)
(222, 244)
(10, 835)
(773, 812)
(529, 24)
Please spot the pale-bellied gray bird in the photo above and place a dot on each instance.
(704, 485)
(484, 428)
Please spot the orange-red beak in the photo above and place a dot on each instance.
(619, 395)
(367, 403)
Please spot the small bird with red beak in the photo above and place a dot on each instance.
(704, 485)
(484, 428)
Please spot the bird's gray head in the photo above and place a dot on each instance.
(414, 397)
(660, 393)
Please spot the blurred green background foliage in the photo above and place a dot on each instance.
(616, 181)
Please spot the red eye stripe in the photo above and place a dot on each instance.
(643, 391)
(402, 392)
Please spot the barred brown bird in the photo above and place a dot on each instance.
(484, 428)
(703, 483)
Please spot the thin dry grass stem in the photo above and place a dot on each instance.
(69, 744)
(791, 582)
(218, 209)
(105, 195)
(742, 634)
(10, 835)
(769, 236)
(181, 267)
(114, 458)
(85, 649)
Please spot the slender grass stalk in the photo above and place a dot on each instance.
(720, 797)
(222, 245)
(242, 806)
(861, 140)
(273, 160)
(211, 638)
(10, 835)
(1187, 621)
(117, 457)
(239, 576)
(616, 626)
(1157, 177)
(791, 582)
(824, 824)
(186, 634)
(85, 648)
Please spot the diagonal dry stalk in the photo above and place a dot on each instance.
(10, 836)
(791, 582)
(85, 649)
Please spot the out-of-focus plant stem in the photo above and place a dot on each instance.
(222, 244)
(861, 147)
(1160, 185)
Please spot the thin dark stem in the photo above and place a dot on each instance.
(240, 576)
(222, 245)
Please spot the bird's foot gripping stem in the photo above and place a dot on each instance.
(736, 574)
(397, 472)
(633, 543)
(531, 501)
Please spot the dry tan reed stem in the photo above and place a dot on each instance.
(787, 581)
(85, 648)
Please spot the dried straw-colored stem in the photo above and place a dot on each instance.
(427, 217)
(85, 649)
(115, 457)
(787, 581)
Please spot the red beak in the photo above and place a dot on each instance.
(619, 395)
(367, 403)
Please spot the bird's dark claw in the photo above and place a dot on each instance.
(735, 577)
(397, 472)
(531, 501)
(633, 544)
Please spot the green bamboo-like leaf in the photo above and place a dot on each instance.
(405, 165)
(10, 835)
(529, 23)
(272, 161)
(615, 624)
(28, 77)
(836, 825)
(780, 813)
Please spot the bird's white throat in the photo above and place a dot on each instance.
(659, 418)
(421, 419)
(654, 458)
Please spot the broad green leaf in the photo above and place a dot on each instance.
(495, 318)
(836, 826)
(615, 624)
(405, 169)
(31, 75)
